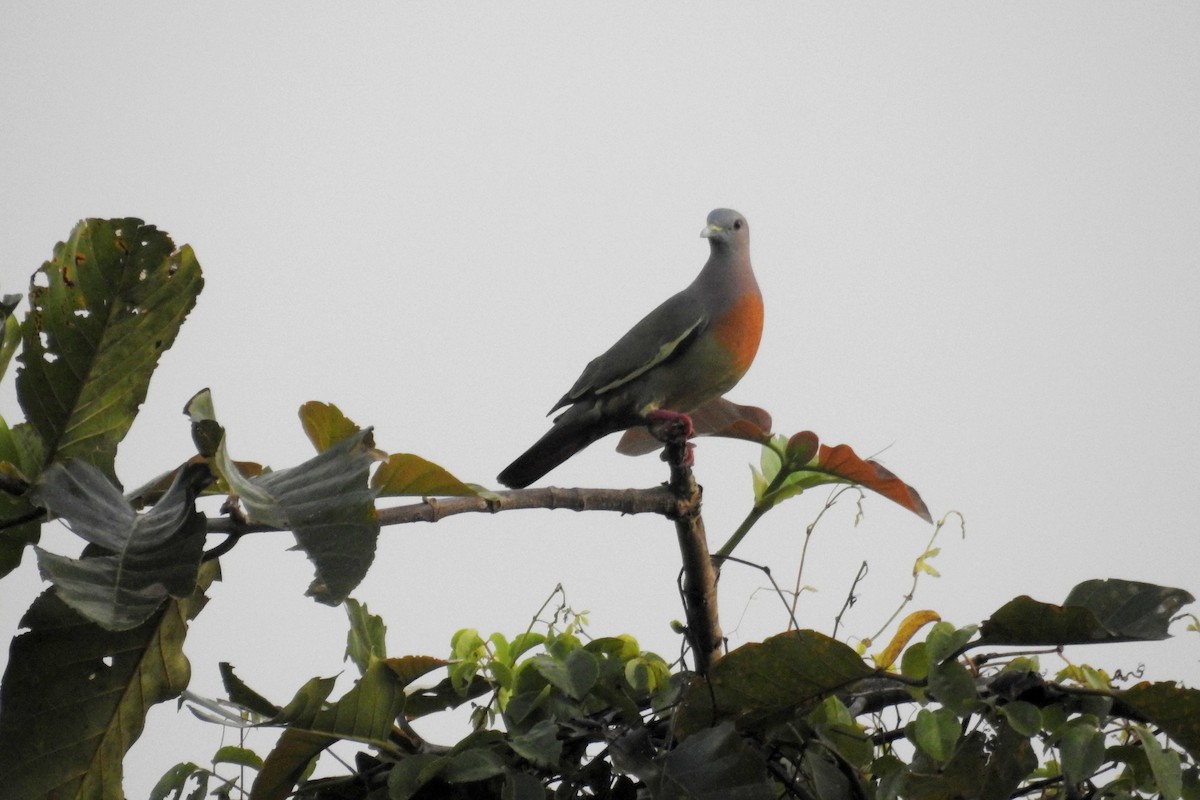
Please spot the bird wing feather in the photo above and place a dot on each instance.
(656, 338)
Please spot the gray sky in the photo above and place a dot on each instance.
(975, 226)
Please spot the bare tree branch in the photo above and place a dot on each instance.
(699, 575)
(658, 500)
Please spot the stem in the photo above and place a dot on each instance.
(754, 516)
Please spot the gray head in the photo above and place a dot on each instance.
(726, 228)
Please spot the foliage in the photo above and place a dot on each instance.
(555, 712)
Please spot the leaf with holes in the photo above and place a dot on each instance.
(103, 310)
(75, 695)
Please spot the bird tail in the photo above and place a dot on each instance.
(566, 438)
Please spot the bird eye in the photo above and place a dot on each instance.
(737, 225)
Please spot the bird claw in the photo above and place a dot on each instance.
(665, 425)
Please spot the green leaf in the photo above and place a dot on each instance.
(574, 676)
(1174, 709)
(22, 454)
(102, 312)
(522, 786)
(1025, 718)
(306, 704)
(1163, 763)
(1130, 609)
(945, 641)
(366, 639)
(934, 732)
(137, 560)
(963, 775)
(473, 764)
(175, 780)
(1081, 749)
(368, 710)
(333, 515)
(915, 661)
(539, 745)
(242, 756)
(75, 696)
(365, 713)
(954, 687)
(1095, 611)
(325, 502)
(409, 668)
(293, 757)
(10, 330)
(839, 732)
(424, 701)
(770, 460)
(1010, 761)
(713, 764)
(407, 475)
(243, 695)
(326, 425)
(829, 780)
(411, 773)
(793, 670)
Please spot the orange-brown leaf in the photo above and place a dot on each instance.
(843, 462)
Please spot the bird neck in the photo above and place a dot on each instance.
(726, 266)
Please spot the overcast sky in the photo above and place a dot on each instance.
(976, 228)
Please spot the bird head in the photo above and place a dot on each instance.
(726, 226)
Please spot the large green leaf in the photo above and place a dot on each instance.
(786, 672)
(326, 501)
(75, 696)
(1131, 609)
(136, 560)
(1095, 611)
(104, 309)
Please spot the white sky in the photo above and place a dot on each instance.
(976, 227)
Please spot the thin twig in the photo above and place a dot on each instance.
(808, 532)
(850, 597)
(766, 571)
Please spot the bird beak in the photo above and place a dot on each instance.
(712, 230)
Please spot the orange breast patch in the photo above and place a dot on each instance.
(740, 330)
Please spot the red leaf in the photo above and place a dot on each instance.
(717, 417)
(843, 462)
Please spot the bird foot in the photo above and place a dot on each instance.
(673, 429)
(665, 425)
